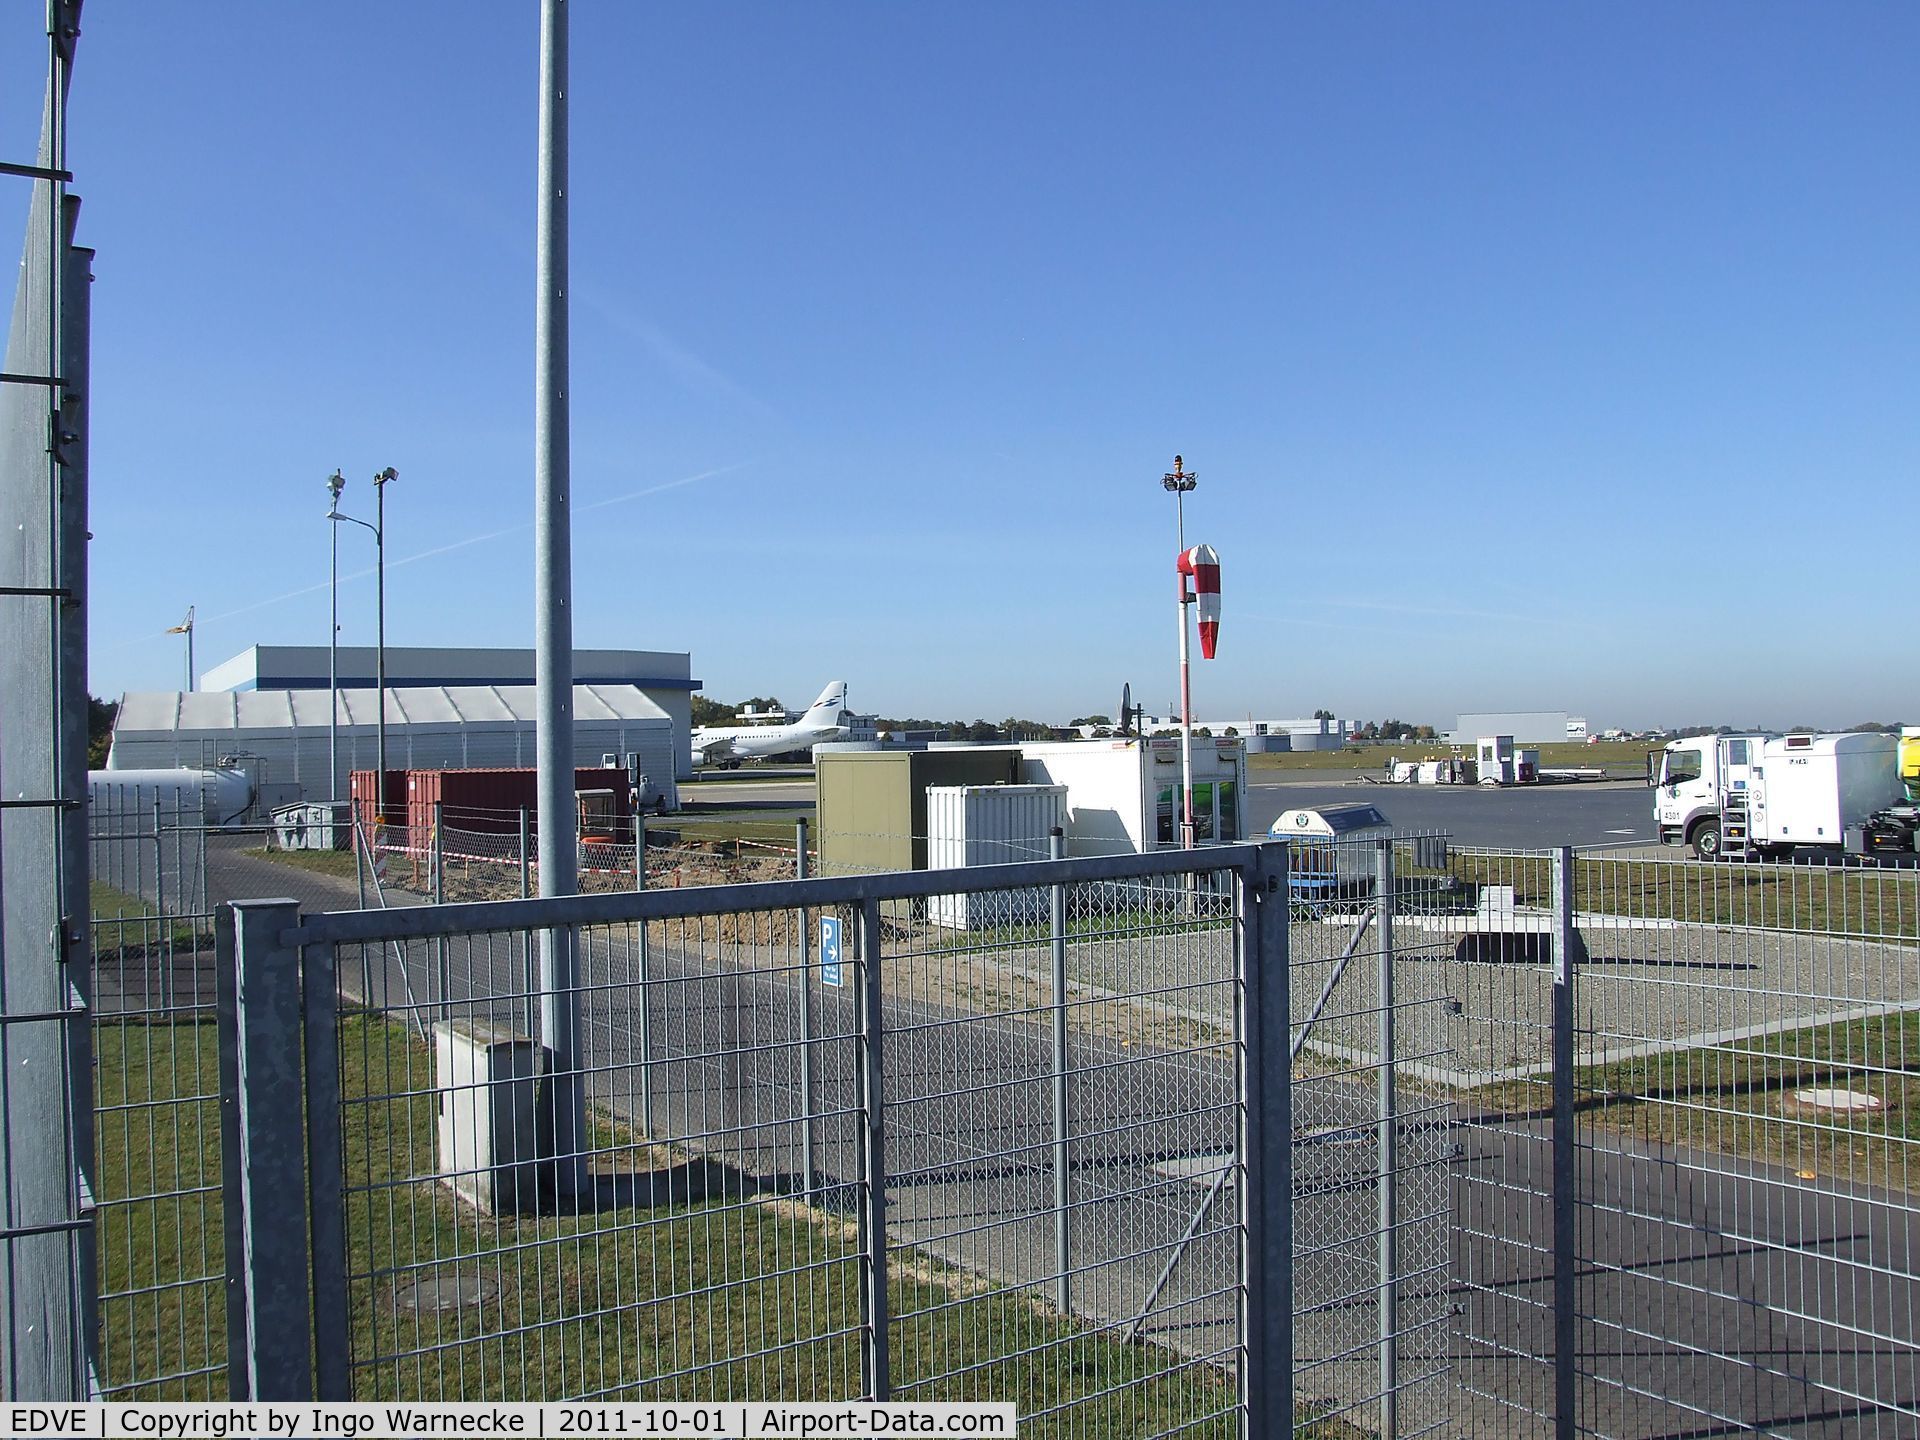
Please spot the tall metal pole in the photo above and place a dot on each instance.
(380, 483)
(553, 620)
(1180, 480)
(335, 484)
(185, 627)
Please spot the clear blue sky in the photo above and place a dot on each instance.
(1530, 356)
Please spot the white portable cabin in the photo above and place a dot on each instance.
(1123, 795)
(990, 825)
(1807, 789)
(1328, 849)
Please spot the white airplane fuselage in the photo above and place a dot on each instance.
(730, 744)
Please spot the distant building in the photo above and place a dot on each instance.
(283, 738)
(1527, 727)
(1308, 734)
(664, 678)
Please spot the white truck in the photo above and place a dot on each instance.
(1768, 796)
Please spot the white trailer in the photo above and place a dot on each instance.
(1123, 795)
(1740, 795)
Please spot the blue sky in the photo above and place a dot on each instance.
(1529, 356)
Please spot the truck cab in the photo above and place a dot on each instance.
(1701, 779)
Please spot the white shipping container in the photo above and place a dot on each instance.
(971, 825)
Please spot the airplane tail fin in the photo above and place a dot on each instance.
(826, 710)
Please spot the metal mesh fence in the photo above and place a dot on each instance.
(1617, 1136)
(159, 1218)
(731, 1070)
(1374, 1009)
(1742, 1249)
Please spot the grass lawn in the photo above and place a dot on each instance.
(1738, 1099)
(1622, 760)
(1807, 899)
(733, 1297)
(339, 863)
(122, 921)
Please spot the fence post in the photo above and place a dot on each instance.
(266, 1148)
(805, 920)
(643, 975)
(159, 863)
(1387, 1157)
(875, 1371)
(1062, 1238)
(1565, 1296)
(437, 857)
(1266, 1145)
(326, 1173)
(526, 863)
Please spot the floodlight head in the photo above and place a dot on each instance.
(385, 475)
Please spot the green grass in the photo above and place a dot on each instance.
(123, 921)
(1622, 760)
(729, 1297)
(1817, 900)
(319, 862)
(1737, 1098)
(767, 827)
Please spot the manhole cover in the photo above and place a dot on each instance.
(445, 1292)
(1855, 1102)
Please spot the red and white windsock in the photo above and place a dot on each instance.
(1204, 566)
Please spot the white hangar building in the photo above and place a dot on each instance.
(282, 736)
(664, 676)
(446, 708)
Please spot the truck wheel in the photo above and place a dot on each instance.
(1706, 840)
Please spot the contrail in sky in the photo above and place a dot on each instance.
(458, 545)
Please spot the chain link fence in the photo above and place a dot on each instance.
(1611, 1140)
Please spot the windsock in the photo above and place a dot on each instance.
(1204, 566)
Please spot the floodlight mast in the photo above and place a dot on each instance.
(1180, 481)
(336, 482)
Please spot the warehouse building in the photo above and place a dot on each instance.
(664, 676)
(1527, 727)
(282, 737)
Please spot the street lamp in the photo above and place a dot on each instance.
(185, 627)
(335, 484)
(1180, 481)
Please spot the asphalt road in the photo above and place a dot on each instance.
(1611, 813)
(1522, 817)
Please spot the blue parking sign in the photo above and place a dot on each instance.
(830, 950)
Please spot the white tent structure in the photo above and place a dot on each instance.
(282, 735)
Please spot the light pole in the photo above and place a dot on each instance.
(380, 483)
(336, 482)
(1181, 480)
(185, 627)
(335, 485)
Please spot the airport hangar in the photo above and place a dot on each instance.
(446, 709)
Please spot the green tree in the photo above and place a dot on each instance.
(100, 715)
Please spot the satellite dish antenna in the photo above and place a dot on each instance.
(1126, 709)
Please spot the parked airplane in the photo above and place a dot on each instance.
(727, 745)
